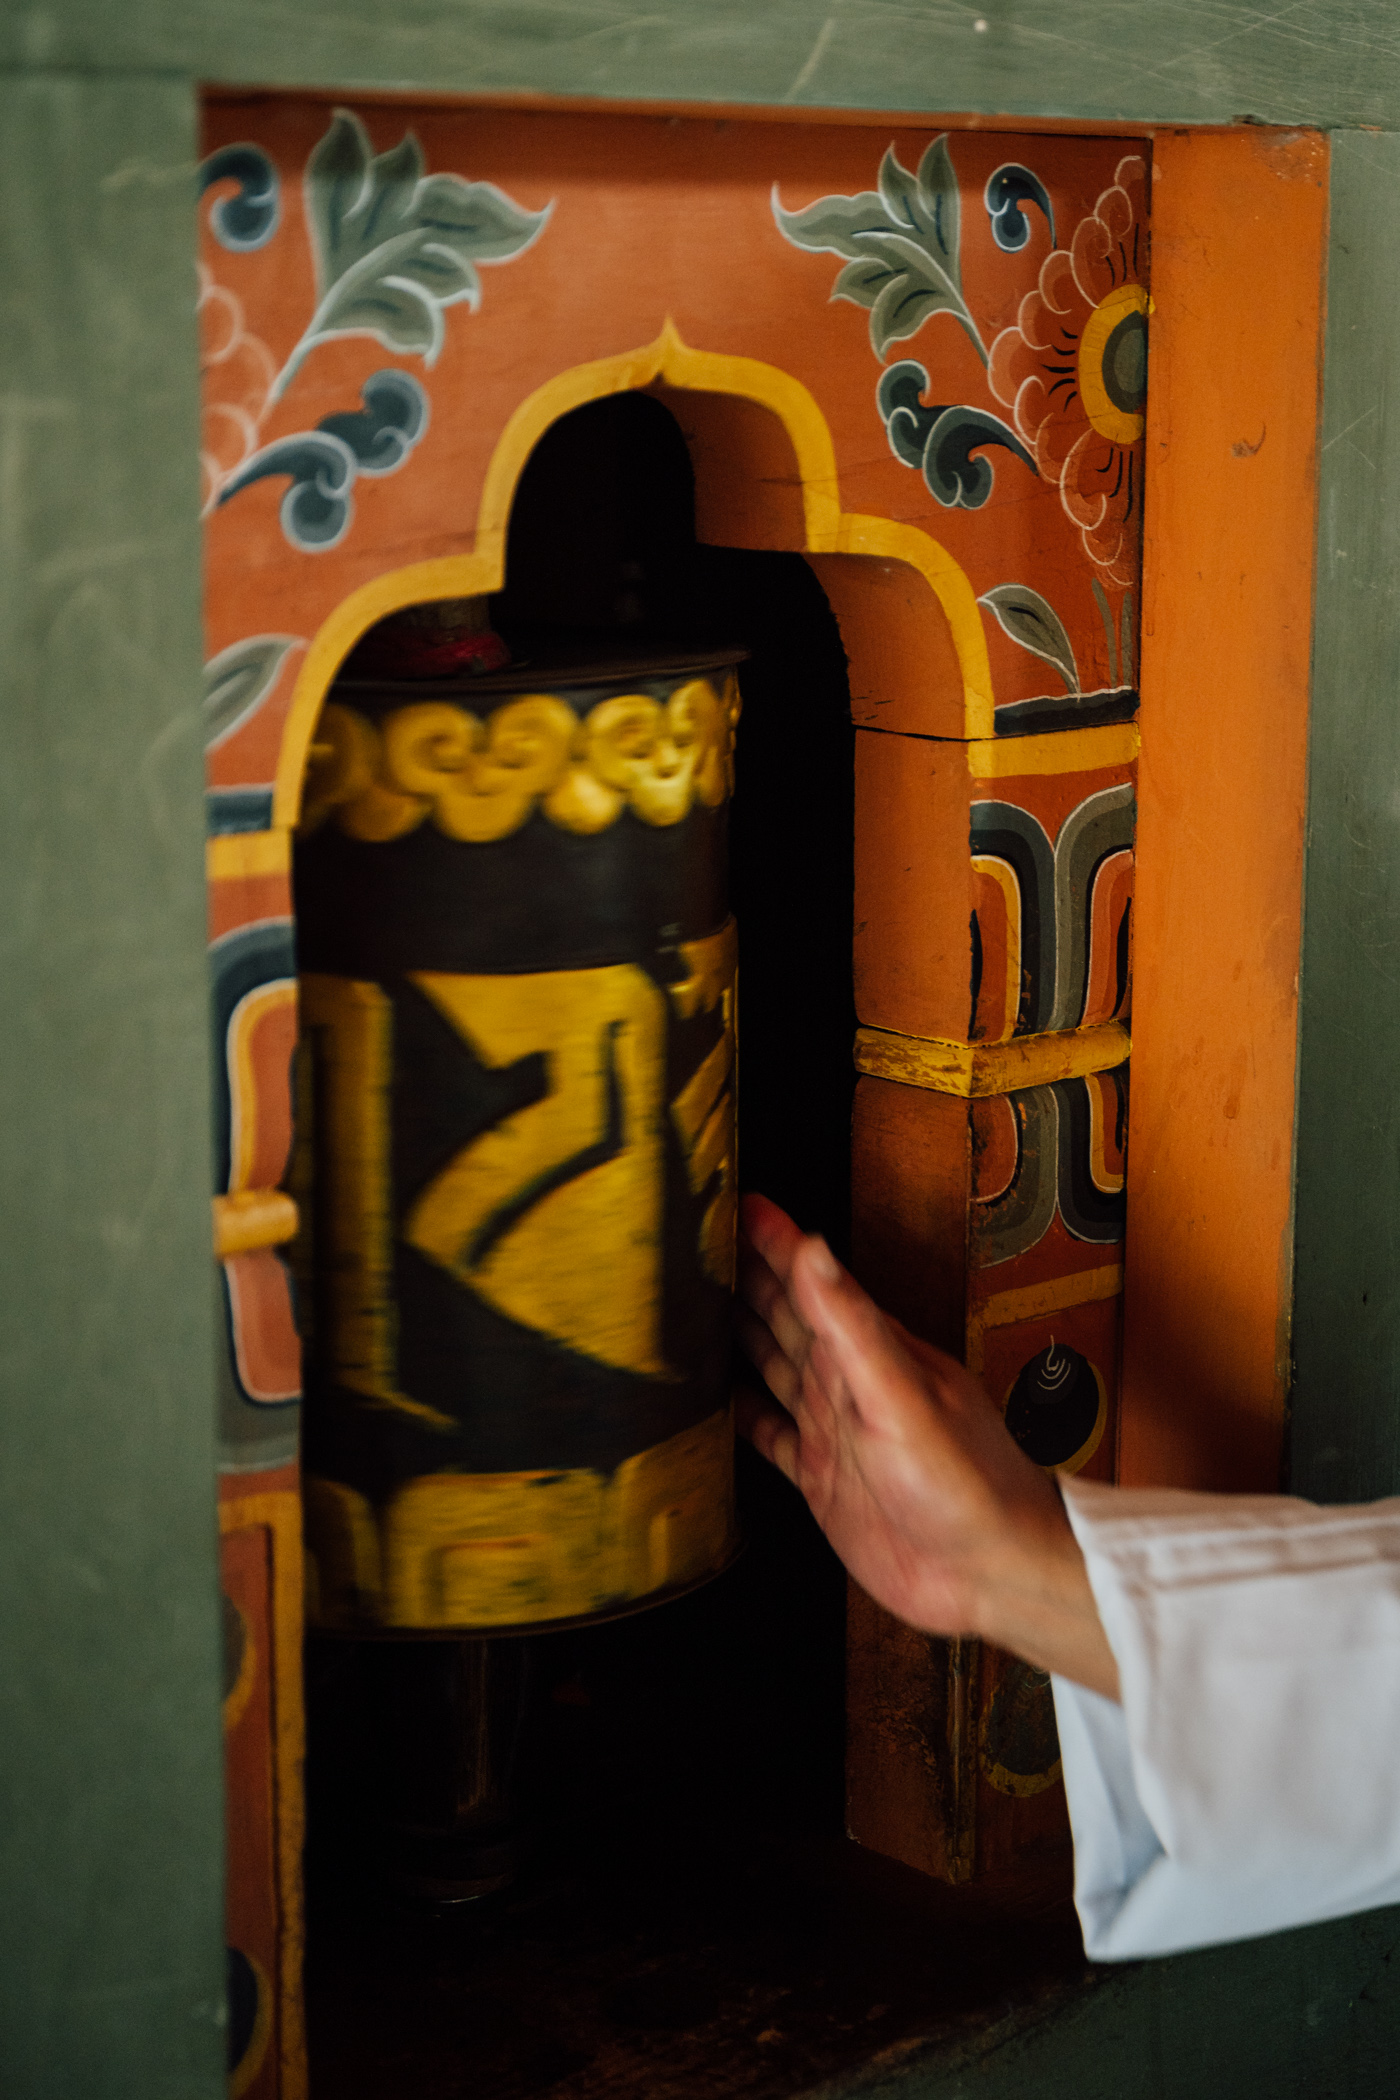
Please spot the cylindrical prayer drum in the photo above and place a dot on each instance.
(516, 1143)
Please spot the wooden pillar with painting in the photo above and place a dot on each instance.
(994, 876)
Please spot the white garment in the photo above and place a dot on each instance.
(1250, 1779)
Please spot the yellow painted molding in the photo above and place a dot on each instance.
(889, 541)
(234, 854)
(989, 1068)
(670, 361)
(1057, 751)
(1034, 1300)
(450, 576)
(251, 1219)
(279, 1512)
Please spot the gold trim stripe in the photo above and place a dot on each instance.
(1083, 1287)
(989, 1068)
(1033, 1300)
(251, 1219)
(1056, 751)
(231, 854)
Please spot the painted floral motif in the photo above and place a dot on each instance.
(902, 245)
(1034, 625)
(236, 370)
(1073, 371)
(1073, 368)
(392, 247)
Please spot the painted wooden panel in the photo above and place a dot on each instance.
(994, 884)
(311, 480)
(397, 305)
(1226, 665)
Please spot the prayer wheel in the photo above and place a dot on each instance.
(516, 1143)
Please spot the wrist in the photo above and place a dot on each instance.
(1032, 1595)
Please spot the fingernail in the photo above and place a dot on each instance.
(821, 1260)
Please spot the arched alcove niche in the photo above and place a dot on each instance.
(765, 480)
(744, 1678)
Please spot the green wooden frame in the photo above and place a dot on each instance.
(110, 1847)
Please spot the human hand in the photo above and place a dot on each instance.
(906, 1464)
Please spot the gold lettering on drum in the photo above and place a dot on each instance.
(704, 1110)
(554, 1215)
(349, 1026)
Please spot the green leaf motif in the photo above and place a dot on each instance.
(394, 246)
(1034, 623)
(238, 680)
(927, 202)
(901, 244)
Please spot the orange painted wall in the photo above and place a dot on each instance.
(1238, 251)
(652, 218)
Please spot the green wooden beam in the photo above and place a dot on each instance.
(1328, 62)
(110, 1791)
(1346, 1398)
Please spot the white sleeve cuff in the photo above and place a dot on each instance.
(1250, 1780)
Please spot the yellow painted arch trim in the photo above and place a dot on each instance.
(451, 576)
(828, 529)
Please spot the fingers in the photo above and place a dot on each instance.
(771, 1233)
(770, 1300)
(781, 1333)
(854, 1346)
(772, 1433)
(782, 1377)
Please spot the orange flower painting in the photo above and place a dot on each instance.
(1073, 371)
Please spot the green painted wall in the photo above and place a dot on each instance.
(110, 1788)
(109, 1811)
(1334, 62)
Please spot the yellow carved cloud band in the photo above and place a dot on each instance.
(480, 780)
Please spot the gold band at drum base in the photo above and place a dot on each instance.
(496, 1550)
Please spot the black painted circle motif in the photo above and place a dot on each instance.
(1054, 1407)
(249, 2018)
(1125, 364)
